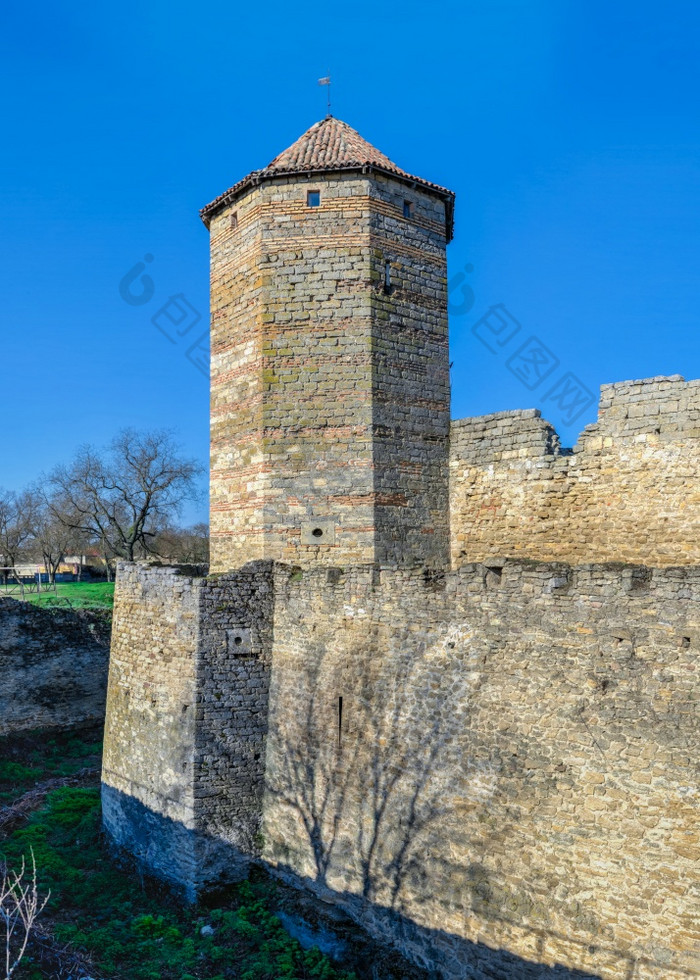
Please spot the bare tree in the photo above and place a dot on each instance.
(52, 537)
(16, 523)
(20, 905)
(122, 498)
(184, 545)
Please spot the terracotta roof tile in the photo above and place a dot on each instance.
(328, 146)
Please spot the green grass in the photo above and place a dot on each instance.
(78, 594)
(32, 757)
(142, 936)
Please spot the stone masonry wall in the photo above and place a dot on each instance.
(510, 781)
(53, 667)
(233, 679)
(186, 719)
(411, 375)
(149, 746)
(330, 392)
(630, 491)
(494, 768)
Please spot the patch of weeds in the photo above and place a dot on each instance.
(35, 756)
(142, 935)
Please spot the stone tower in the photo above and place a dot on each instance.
(330, 400)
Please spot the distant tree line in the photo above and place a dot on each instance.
(119, 502)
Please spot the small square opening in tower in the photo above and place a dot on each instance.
(313, 198)
(234, 220)
(407, 209)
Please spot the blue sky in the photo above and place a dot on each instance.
(569, 131)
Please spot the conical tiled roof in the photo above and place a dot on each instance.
(328, 146)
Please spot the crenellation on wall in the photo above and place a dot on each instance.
(503, 435)
(629, 490)
(668, 407)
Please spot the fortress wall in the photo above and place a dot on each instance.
(53, 667)
(233, 672)
(629, 492)
(149, 750)
(510, 781)
(514, 771)
(183, 759)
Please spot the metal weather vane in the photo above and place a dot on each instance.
(326, 80)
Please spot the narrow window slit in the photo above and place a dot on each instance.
(340, 720)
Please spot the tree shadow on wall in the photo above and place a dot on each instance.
(367, 776)
(364, 796)
(164, 848)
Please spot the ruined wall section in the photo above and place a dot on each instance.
(510, 779)
(629, 491)
(411, 375)
(53, 667)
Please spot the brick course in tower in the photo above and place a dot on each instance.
(330, 367)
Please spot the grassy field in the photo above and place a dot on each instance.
(116, 925)
(33, 757)
(132, 931)
(79, 595)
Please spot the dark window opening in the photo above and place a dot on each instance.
(238, 640)
(313, 198)
(234, 220)
(387, 277)
(317, 532)
(340, 720)
(407, 209)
